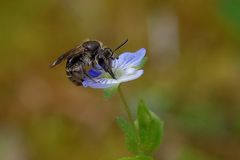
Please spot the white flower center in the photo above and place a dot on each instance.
(117, 72)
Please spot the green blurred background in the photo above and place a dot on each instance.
(191, 79)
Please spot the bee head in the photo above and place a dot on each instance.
(91, 46)
(106, 65)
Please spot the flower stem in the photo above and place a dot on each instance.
(126, 106)
(127, 109)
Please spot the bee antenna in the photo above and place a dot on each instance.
(122, 44)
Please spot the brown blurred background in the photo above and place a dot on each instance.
(191, 79)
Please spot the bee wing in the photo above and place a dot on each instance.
(60, 59)
(66, 55)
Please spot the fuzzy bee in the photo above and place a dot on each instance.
(89, 54)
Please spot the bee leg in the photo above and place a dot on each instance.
(77, 82)
(96, 66)
(88, 76)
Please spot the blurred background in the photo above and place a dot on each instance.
(191, 79)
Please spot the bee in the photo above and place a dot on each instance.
(89, 54)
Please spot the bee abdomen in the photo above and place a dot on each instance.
(75, 80)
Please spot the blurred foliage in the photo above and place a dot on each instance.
(191, 79)
(191, 154)
(137, 158)
(231, 9)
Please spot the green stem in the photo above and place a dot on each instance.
(127, 109)
(126, 106)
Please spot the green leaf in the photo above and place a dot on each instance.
(143, 62)
(109, 92)
(130, 134)
(150, 129)
(137, 158)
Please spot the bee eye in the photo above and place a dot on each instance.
(108, 52)
(100, 61)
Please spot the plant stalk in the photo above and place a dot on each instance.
(126, 106)
(127, 109)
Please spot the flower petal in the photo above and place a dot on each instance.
(94, 73)
(129, 59)
(130, 77)
(99, 83)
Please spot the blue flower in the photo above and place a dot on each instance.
(125, 68)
